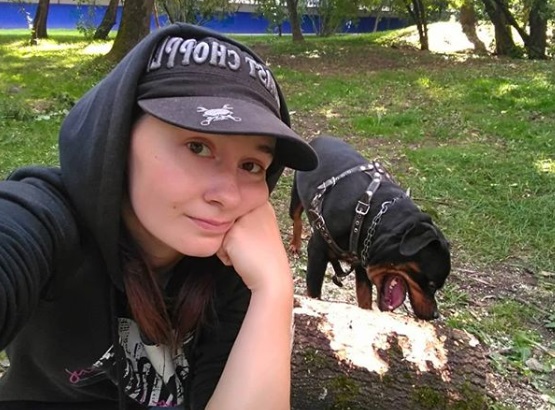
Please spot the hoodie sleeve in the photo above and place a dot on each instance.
(37, 234)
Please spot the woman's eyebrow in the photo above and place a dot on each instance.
(266, 148)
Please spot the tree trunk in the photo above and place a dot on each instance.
(418, 14)
(168, 12)
(468, 24)
(134, 26)
(294, 20)
(345, 357)
(156, 15)
(108, 21)
(378, 16)
(39, 22)
(537, 18)
(504, 43)
(538, 30)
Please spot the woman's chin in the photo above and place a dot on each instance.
(202, 249)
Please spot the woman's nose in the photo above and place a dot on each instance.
(224, 189)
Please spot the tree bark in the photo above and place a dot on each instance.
(378, 16)
(134, 26)
(468, 24)
(504, 43)
(537, 19)
(156, 15)
(345, 357)
(40, 21)
(108, 21)
(294, 20)
(417, 11)
(538, 30)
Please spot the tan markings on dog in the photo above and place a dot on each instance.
(364, 295)
(295, 244)
(420, 303)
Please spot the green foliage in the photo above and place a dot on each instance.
(13, 109)
(333, 14)
(274, 11)
(195, 11)
(550, 322)
(85, 22)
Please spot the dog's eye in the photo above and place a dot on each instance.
(432, 286)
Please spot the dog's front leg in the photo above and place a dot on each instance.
(363, 288)
(316, 266)
(295, 244)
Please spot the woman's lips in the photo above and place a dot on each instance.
(212, 225)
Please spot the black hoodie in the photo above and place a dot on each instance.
(62, 306)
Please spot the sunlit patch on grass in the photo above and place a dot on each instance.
(545, 166)
(97, 48)
(53, 46)
(504, 89)
(50, 45)
(425, 82)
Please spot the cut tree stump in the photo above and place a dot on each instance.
(345, 357)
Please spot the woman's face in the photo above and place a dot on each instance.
(186, 189)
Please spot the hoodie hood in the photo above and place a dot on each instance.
(94, 142)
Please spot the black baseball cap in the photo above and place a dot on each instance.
(212, 86)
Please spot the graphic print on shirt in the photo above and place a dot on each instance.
(152, 375)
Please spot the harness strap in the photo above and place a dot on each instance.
(362, 208)
(315, 212)
(318, 222)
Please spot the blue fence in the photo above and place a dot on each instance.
(69, 16)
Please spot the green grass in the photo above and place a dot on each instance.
(38, 86)
(477, 140)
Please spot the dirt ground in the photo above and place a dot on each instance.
(509, 280)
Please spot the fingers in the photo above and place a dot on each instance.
(255, 249)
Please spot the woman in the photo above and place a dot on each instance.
(147, 271)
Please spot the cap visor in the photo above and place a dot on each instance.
(218, 115)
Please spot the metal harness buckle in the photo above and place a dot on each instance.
(362, 208)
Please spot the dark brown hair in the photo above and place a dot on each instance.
(163, 320)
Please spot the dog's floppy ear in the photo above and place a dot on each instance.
(417, 237)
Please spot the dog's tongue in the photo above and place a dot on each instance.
(393, 294)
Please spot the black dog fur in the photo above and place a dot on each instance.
(408, 253)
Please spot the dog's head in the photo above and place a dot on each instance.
(415, 261)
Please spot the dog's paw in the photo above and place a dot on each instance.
(294, 249)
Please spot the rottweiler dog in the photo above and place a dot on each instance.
(361, 216)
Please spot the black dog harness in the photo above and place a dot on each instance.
(377, 173)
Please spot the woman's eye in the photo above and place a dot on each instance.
(199, 148)
(252, 167)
